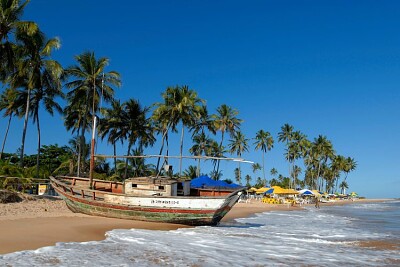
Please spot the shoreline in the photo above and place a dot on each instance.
(33, 224)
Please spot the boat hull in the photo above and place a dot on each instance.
(180, 210)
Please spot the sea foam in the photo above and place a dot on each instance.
(325, 236)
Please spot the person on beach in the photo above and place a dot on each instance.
(317, 203)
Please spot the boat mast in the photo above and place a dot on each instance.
(91, 168)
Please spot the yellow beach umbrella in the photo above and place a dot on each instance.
(316, 193)
(252, 190)
(262, 190)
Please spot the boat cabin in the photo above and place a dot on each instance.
(160, 186)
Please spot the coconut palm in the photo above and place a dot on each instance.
(226, 121)
(215, 150)
(286, 136)
(248, 179)
(200, 147)
(191, 172)
(349, 165)
(323, 150)
(238, 144)
(134, 126)
(273, 172)
(181, 105)
(11, 26)
(109, 126)
(38, 78)
(338, 165)
(202, 121)
(48, 74)
(88, 84)
(296, 172)
(264, 141)
(343, 186)
(8, 104)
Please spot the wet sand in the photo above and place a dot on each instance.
(44, 222)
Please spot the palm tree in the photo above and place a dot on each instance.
(215, 150)
(349, 165)
(338, 165)
(296, 172)
(139, 166)
(286, 136)
(248, 179)
(294, 151)
(264, 141)
(47, 74)
(273, 172)
(226, 121)
(38, 77)
(202, 121)
(11, 27)
(324, 150)
(8, 104)
(238, 144)
(90, 83)
(181, 104)
(134, 126)
(200, 146)
(191, 172)
(109, 126)
(255, 167)
(343, 186)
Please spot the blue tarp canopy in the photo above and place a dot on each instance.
(207, 182)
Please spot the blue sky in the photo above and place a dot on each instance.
(325, 67)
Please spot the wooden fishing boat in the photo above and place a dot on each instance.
(156, 199)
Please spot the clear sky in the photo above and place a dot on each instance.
(325, 67)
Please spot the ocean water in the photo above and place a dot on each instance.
(329, 236)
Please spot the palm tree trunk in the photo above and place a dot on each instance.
(5, 136)
(28, 102)
(181, 151)
(240, 174)
(198, 168)
(115, 158)
(82, 139)
(220, 146)
(161, 149)
(38, 149)
(126, 161)
(263, 165)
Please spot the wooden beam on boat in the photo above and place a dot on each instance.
(177, 157)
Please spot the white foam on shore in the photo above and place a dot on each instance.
(310, 237)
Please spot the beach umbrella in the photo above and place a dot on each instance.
(280, 191)
(252, 190)
(306, 192)
(262, 190)
(316, 193)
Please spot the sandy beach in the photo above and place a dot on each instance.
(32, 224)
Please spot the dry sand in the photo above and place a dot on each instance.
(32, 224)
